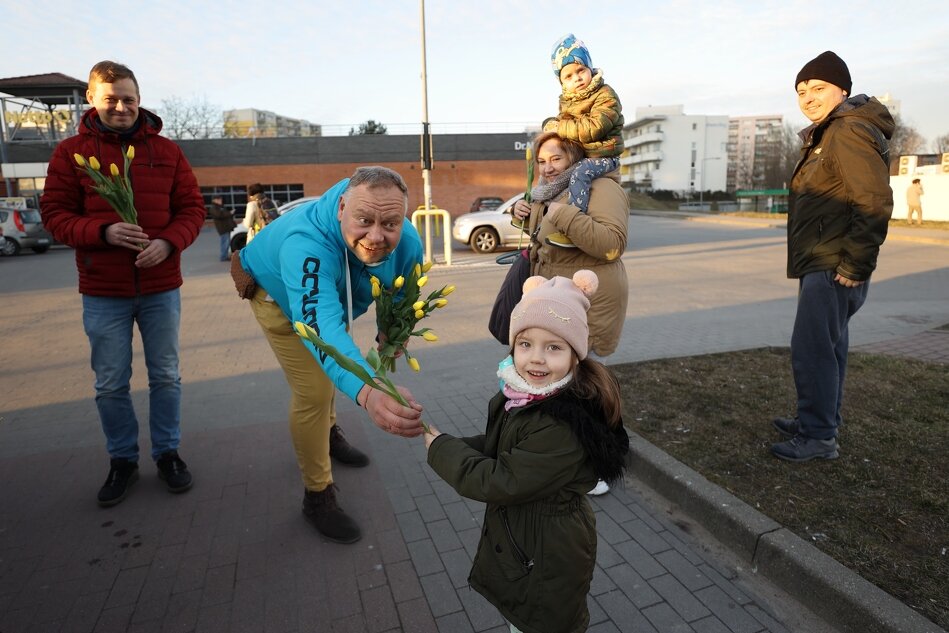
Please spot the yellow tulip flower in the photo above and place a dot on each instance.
(376, 291)
(114, 169)
(79, 160)
(430, 336)
(448, 290)
(427, 266)
(441, 303)
(398, 282)
(94, 163)
(418, 270)
(418, 305)
(422, 281)
(419, 314)
(414, 365)
(299, 327)
(130, 152)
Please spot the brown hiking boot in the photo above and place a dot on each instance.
(344, 452)
(320, 509)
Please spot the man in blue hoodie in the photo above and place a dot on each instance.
(839, 207)
(313, 265)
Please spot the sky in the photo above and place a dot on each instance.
(341, 63)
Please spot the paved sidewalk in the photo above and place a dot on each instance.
(234, 553)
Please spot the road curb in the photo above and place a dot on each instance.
(840, 596)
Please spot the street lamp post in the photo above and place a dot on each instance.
(426, 142)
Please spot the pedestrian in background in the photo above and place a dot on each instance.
(839, 206)
(223, 223)
(128, 273)
(914, 202)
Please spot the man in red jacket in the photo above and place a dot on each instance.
(128, 273)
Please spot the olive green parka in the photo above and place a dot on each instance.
(533, 468)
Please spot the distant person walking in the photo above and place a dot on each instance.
(839, 206)
(223, 223)
(260, 211)
(914, 202)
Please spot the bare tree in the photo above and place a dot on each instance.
(941, 144)
(369, 127)
(192, 118)
(905, 141)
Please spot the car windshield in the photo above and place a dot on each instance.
(30, 216)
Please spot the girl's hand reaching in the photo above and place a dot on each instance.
(431, 435)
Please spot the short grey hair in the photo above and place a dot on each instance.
(376, 176)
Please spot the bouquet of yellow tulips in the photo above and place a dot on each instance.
(116, 188)
(380, 381)
(398, 311)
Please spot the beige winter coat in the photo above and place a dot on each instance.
(600, 235)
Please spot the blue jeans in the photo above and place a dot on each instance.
(225, 245)
(108, 324)
(819, 345)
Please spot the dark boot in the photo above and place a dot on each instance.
(173, 471)
(803, 449)
(344, 452)
(122, 474)
(320, 509)
(787, 427)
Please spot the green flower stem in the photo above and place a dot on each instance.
(355, 368)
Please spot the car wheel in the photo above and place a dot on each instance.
(9, 247)
(484, 240)
(40, 249)
(238, 242)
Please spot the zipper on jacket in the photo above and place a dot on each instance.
(527, 563)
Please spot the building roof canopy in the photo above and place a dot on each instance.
(50, 88)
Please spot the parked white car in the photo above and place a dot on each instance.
(22, 228)
(487, 231)
(239, 232)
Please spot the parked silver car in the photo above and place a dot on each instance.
(23, 228)
(487, 231)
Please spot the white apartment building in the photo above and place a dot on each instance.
(670, 150)
(752, 142)
(246, 122)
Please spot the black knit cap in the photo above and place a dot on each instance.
(827, 67)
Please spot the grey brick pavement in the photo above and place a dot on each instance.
(234, 554)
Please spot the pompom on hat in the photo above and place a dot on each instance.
(558, 305)
(826, 67)
(569, 50)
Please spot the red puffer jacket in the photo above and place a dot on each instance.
(167, 198)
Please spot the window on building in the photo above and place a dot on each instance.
(235, 196)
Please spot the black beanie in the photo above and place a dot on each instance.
(827, 67)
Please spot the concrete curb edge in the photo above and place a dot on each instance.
(837, 594)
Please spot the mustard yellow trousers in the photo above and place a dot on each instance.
(313, 394)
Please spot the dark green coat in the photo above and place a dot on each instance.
(533, 464)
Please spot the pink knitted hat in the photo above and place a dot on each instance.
(558, 305)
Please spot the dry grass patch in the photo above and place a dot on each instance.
(881, 509)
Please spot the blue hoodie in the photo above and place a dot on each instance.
(299, 261)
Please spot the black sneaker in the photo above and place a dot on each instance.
(804, 449)
(122, 474)
(173, 471)
(321, 510)
(344, 452)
